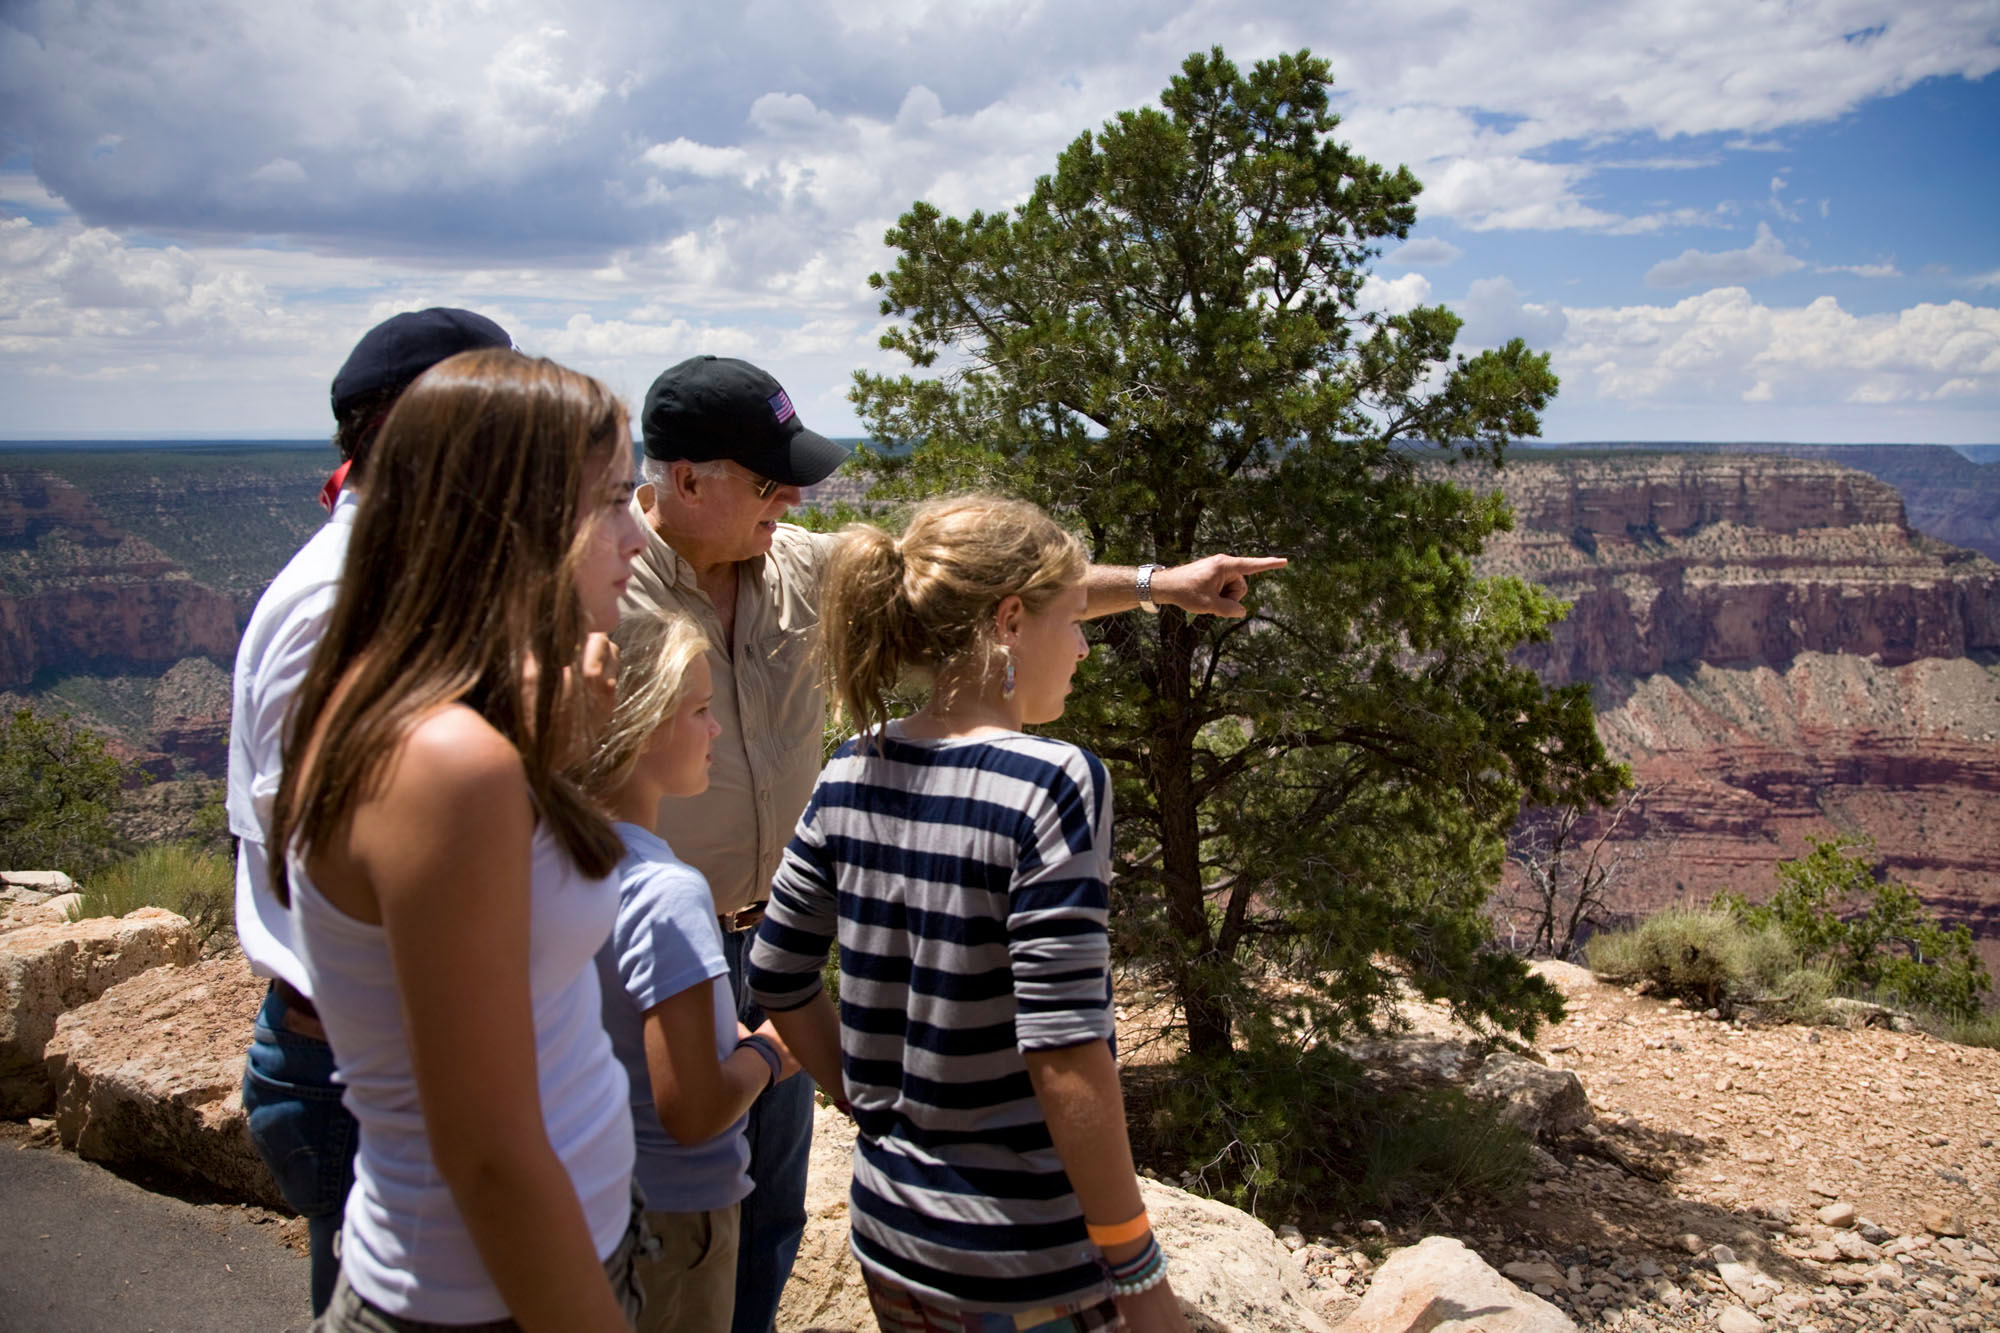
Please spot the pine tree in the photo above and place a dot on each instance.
(1165, 346)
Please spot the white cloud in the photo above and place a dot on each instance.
(280, 171)
(620, 179)
(1885, 270)
(696, 159)
(1723, 343)
(1776, 202)
(1424, 252)
(1984, 281)
(1494, 312)
(1394, 296)
(1766, 257)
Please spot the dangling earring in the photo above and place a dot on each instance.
(1007, 685)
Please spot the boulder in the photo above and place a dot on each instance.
(1942, 1221)
(1568, 978)
(149, 1075)
(1413, 1060)
(1547, 1103)
(33, 885)
(1440, 1286)
(54, 966)
(1231, 1272)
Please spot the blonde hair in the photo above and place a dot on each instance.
(924, 601)
(656, 649)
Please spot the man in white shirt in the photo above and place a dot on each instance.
(305, 1135)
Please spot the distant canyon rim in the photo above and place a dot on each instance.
(1783, 641)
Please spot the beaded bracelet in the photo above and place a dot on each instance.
(1138, 1263)
(1142, 1272)
(1149, 1274)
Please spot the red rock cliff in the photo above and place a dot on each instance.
(1779, 657)
(1677, 560)
(74, 590)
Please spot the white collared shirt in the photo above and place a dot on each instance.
(277, 647)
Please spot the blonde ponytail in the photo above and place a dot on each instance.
(924, 602)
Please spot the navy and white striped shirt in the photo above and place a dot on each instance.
(967, 882)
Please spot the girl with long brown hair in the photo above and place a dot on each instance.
(448, 885)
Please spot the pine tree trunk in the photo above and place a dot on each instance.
(1197, 974)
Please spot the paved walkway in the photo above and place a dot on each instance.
(84, 1251)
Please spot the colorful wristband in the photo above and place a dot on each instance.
(1120, 1233)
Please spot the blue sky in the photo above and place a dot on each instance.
(1725, 220)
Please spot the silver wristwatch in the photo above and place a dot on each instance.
(1144, 582)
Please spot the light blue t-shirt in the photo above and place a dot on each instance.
(666, 940)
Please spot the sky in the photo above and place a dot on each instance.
(1724, 219)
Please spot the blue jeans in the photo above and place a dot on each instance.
(773, 1220)
(305, 1136)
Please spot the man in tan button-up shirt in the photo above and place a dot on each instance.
(726, 457)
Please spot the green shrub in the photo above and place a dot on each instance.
(182, 877)
(1708, 956)
(1287, 1134)
(58, 788)
(1875, 939)
(1981, 1031)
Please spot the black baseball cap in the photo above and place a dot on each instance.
(711, 407)
(402, 347)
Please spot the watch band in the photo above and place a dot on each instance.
(1144, 583)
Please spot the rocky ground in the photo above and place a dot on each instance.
(1741, 1178)
(1694, 1173)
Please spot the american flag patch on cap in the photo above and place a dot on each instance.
(782, 406)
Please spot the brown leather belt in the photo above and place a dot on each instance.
(300, 1016)
(743, 918)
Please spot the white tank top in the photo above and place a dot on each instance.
(404, 1246)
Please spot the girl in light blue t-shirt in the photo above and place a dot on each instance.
(667, 1002)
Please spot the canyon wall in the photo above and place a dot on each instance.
(78, 593)
(1678, 559)
(1779, 657)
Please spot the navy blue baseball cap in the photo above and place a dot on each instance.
(402, 347)
(711, 407)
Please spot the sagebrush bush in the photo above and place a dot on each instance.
(194, 881)
(1705, 955)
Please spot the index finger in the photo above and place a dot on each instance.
(1258, 564)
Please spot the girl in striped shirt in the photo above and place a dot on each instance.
(963, 864)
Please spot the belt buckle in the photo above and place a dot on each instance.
(744, 918)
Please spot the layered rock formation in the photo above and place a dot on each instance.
(76, 592)
(125, 577)
(1779, 657)
(1677, 559)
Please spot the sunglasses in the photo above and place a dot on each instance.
(764, 486)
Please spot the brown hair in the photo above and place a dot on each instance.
(655, 649)
(459, 574)
(925, 601)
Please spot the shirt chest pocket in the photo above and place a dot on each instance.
(784, 705)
